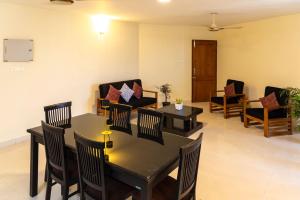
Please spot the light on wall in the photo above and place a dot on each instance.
(101, 24)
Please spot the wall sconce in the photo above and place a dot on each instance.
(101, 24)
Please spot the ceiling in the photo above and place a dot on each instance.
(181, 12)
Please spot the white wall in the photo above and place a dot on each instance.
(69, 63)
(165, 56)
(263, 53)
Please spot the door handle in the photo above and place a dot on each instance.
(194, 70)
(194, 77)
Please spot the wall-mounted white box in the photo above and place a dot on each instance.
(17, 50)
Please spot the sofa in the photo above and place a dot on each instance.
(144, 101)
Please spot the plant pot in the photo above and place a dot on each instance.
(165, 103)
(178, 106)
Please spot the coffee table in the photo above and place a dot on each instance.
(181, 122)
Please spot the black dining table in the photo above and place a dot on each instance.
(138, 162)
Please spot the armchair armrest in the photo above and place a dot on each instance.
(219, 90)
(249, 101)
(153, 92)
(235, 95)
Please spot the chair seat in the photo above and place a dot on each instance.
(259, 113)
(72, 171)
(230, 100)
(167, 189)
(116, 190)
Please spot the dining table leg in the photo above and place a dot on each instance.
(34, 156)
(146, 192)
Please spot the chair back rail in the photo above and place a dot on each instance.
(188, 168)
(58, 114)
(55, 151)
(90, 156)
(119, 117)
(150, 124)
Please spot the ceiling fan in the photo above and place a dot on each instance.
(214, 27)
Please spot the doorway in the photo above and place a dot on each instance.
(204, 69)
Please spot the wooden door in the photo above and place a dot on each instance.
(204, 69)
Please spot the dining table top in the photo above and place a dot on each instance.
(142, 157)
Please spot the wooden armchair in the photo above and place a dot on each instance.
(275, 122)
(231, 105)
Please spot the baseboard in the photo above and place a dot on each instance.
(14, 141)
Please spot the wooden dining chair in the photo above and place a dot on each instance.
(119, 117)
(150, 124)
(95, 183)
(184, 187)
(59, 115)
(232, 105)
(61, 166)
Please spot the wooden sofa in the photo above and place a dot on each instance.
(144, 101)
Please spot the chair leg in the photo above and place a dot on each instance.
(266, 128)
(210, 107)
(65, 192)
(225, 112)
(48, 189)
(246, 121)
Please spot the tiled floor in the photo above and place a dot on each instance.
(235, 164)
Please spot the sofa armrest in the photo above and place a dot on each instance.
(153, 92)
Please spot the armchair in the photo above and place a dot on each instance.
(275, 121)
(231, 105)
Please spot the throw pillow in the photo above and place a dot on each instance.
(229, 90)
(126, 92)
(113, 94)
(137, 90)
(270, 102)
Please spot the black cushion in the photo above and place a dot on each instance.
(136, 103)
(104, 88)
(238, 85)
(115, 190)
(259, 113)
(281, 94)
(230, 100)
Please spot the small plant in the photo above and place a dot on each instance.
(166, 90)
(294, 101)
(179, 101)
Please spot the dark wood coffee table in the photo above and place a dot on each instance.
(181, 122)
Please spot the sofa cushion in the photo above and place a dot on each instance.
(229, 90)
(138, 90)
(113, 94)
(104, 88)
(230, 100)
(238, 85)
(259, 113)
(282, 95)
(270, 102)
(126, 92)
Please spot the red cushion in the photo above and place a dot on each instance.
(137, 90)
(229, 90)
(113, 94)
(270, 102)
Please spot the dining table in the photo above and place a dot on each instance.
(138, 162)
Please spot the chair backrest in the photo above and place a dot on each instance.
(90, 158)
(59, 114)
(150, 124)
(238, 85)
(282, 95)
(119, 117)
(188, 168)
(55, 151)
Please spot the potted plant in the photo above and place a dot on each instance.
(179, 104)
(294, 100)
(165, 89)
